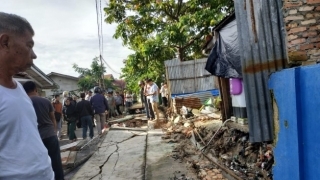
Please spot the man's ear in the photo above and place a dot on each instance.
(4, 41)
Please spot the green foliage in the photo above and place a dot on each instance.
(159, 30)
(93, 76)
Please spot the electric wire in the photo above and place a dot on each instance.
(100, 36)
(99, 24)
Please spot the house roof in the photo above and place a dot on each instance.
(217, 27)
(109, 76)
(224, 22)
(37, 76)
(63, 75)
(119, 83)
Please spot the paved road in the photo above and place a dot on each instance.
(78, 132)
(131, 154)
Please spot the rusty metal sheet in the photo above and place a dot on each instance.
(263, 51)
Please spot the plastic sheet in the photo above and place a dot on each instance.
(224, 59)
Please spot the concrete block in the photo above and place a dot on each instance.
(306, 8)
(311, 21)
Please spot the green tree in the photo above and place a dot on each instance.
(178, 24)
(159, 30)
(93, 76)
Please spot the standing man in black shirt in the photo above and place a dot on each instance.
(85, 113)
(47, 127)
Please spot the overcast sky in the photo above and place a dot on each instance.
(66, 32)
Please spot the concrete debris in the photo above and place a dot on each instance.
(177, 119)
(183, 138)
(230, 148)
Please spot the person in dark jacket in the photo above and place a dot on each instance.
(100, 107)
(70, 115)
(85, 114)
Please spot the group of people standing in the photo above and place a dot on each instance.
(89, 111)
(149, 93)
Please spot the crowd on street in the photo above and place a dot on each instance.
(31, 125)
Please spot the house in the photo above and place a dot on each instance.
(118, 84)
(64, 83)
(36, 75)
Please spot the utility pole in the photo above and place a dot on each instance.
(102, 75)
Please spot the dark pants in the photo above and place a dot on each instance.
(151, 113)
(53, 147)
(72, 127)
(118, 109)
(165, 101)
(128, 104)
(146, 107)
(87, 122)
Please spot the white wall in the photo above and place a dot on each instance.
(65, 84)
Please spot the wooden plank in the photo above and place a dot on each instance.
(122, 119)
(136, 106)
(226, 108)
(128, 129)
(69, 146)
(64, 157)
(71, 158)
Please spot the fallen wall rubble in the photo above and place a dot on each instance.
(230, 149)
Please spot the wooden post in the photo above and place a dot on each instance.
(226, 109)
(169, 87)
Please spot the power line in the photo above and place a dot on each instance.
(100, 37)
(99, 24)
(110, 66)
(101, 33)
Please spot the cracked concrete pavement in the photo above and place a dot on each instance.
(120, 156)
(128, 154)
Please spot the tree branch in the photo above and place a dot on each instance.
(198, 36)
(170, 14)
(179, 8)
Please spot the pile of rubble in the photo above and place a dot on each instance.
(226, 144)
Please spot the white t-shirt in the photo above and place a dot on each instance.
(164, 91)
(154, 89)
(88, 97)
(147, 87)
(22, 153)
(129, 98)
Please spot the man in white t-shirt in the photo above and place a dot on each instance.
(88, 96)
(153, 95)
(22, 153)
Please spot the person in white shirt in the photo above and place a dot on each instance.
(149, 106)
(153, 94)
(22, 152)
(164, 94)
(128, 100)
(88, 96)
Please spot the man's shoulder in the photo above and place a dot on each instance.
(154, 86)
(39, 99)
(86, 102)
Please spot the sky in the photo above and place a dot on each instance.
(66, 32)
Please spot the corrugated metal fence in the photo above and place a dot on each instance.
(188, 76)
(263, 51)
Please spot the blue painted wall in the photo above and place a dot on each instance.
(297, 151)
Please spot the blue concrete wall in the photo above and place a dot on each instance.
(297, 151)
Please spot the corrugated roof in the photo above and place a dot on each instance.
(263, 51)
(188, 76)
